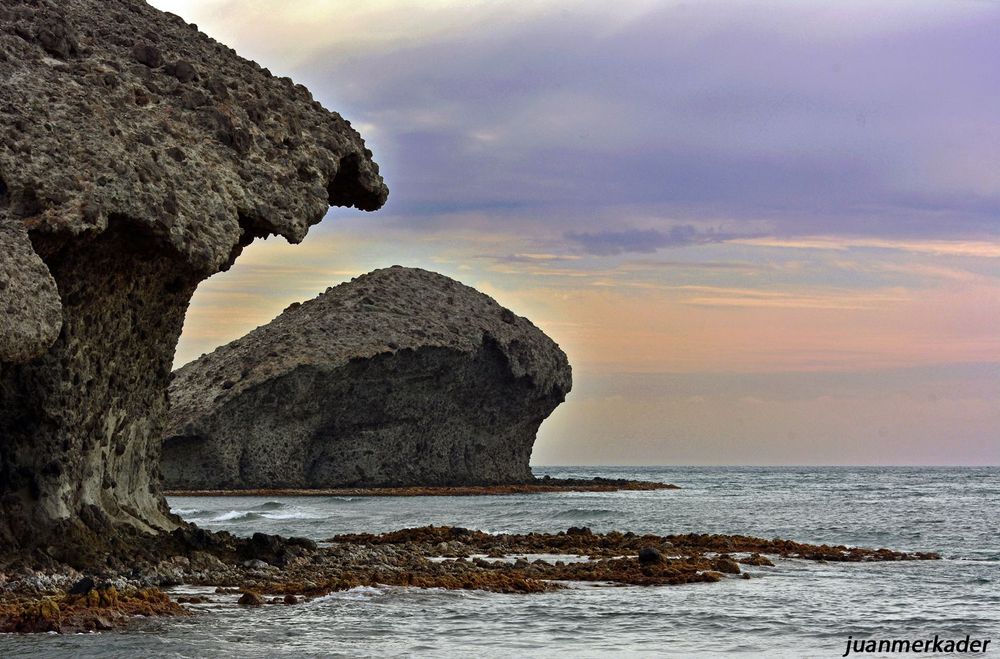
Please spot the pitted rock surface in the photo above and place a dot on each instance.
(29, 302)
(137, 157)
(398, 377)
(113, 108)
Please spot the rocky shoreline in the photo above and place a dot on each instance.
(265, 569)
(536, 486)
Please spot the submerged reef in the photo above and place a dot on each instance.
(267, 569)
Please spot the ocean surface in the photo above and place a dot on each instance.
(795, 609)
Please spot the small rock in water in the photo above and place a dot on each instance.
(650, 555)
(291, 599)
(101, 623)
(757, 559)
(250, 599)
(727, 565)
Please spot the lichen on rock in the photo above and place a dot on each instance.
(137, 157)
(398, 377)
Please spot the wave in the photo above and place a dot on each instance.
(291, 516)
(236, 515)
(188, 512)
(258, 513)
(356, 593)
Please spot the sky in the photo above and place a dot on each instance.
(764, 233)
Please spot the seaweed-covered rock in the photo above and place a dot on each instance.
(399, 377)
(137, 157)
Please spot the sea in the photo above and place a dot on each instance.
(795, 609)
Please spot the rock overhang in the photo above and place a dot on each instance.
(111, 109)
(137, 157)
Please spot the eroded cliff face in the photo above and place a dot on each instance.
(137, 157)
(399, 377)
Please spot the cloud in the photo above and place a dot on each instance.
(560, 112)
(643, 240)
(973, 248)
(714, 296)
(528, 257)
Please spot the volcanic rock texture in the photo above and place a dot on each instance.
(137, 157)
(399, 377)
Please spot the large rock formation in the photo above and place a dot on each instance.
(399, 377)
(137, 157)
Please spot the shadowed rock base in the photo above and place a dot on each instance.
(79, 425)
(138, 157)
(368, 424)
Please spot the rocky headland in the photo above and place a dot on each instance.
(401, 377)
(138, 156)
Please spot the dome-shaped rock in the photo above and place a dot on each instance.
(398, 377)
